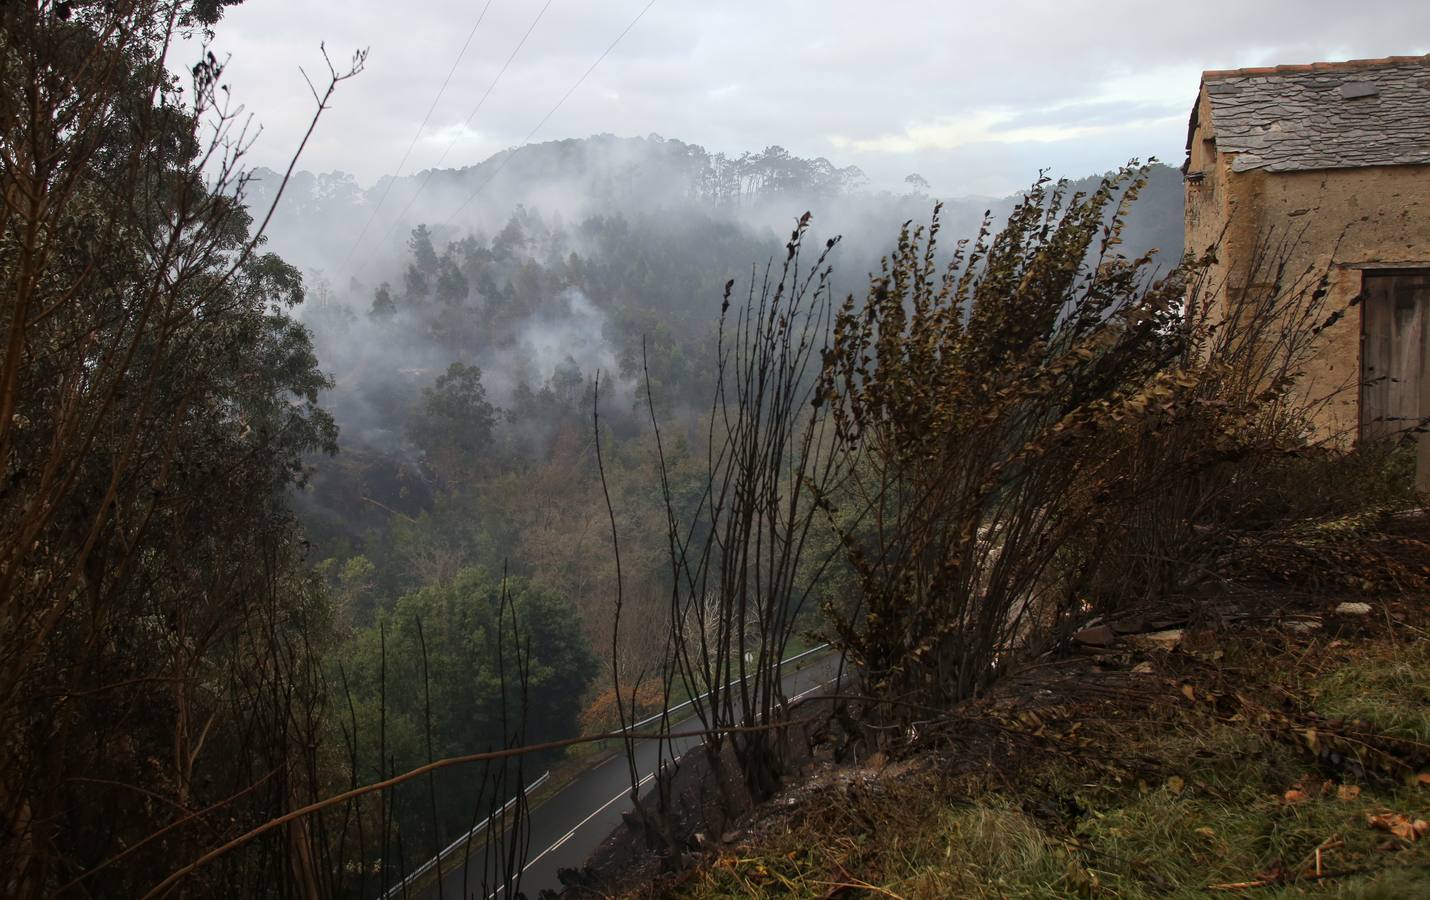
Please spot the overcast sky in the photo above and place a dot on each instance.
(975, 97)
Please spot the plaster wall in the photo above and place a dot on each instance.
(1339, 222)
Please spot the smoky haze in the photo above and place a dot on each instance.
(545, 265)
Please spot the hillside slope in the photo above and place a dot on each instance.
(1279, 747)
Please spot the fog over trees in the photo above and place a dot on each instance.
(296, 504)
(463, 316)
(503, 288)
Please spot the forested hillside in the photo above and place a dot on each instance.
(576, 257)
(464, 356)
(329, 223)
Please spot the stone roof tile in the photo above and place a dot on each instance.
(1295, 118)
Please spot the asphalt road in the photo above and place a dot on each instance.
(571, 823)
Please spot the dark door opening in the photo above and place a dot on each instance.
(1395, 398)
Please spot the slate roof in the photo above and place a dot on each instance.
(1367, 112)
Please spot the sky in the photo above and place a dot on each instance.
(976, 98)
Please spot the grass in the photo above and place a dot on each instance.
(1177, 799)
(1389, 689)
(1227, 820)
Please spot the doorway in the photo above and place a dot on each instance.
(1395, 398)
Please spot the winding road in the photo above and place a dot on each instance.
(572, 822)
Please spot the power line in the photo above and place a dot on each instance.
(386, 188)
(427, 175)
(551, 112)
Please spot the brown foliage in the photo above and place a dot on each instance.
(1030, 411)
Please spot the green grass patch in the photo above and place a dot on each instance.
(1388, 687)
(1243, 812)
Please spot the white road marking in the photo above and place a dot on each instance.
(817, 687)
(625, 792)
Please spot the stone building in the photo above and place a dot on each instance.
(1332, 162)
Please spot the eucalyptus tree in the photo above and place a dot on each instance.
(157, 685)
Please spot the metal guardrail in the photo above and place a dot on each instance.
(784, 662)
(452, 847)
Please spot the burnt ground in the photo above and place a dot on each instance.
(1070, 741)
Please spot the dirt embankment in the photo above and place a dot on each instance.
(1253, 743)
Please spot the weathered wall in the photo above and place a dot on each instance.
(1208, 209)
(1335, 221)
(1339, 221)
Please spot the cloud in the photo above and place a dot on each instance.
(1064, 122)
(887, 86)
(1098, 113)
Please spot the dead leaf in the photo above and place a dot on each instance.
(1175, 784)
(1347, 792)
(1293, 796)
(1399, 825)
(1423, 779)
(1189, 692)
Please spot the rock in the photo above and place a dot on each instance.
(1096, 636)
(1158, 640)
(1353, 609)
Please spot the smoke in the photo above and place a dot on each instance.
(654, 228)
(379, 369)
(570, 336)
